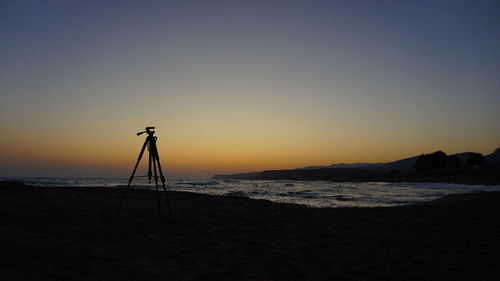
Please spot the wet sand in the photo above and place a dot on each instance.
(73, 234)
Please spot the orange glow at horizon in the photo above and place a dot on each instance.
(242, 86)
(200, 154)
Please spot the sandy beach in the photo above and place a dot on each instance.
(73, 234)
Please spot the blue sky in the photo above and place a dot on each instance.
(245, 85)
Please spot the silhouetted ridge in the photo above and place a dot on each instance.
(493, 158)
(317, 174)
(241, 176)
(466, 167)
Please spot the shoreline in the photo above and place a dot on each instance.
(311, 204)
(470, 181)
(487, 175)
(59, 233)
(486, 182)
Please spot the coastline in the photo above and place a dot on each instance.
(481, 175)
(73, 234)
(392, 179)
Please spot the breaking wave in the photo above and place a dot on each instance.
(309, 193)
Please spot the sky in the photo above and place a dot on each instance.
(237, 86)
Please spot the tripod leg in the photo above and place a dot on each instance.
(151, 154)
(149, 166)
(132, 176)
(156, 157)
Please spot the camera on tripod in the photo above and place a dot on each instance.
(149, 130)
(154, 167)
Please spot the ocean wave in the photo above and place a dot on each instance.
(308, 193)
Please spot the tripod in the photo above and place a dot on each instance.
(154, 160)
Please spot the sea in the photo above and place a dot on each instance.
(320, 194)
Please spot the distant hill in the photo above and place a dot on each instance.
(354, 171)
(463, 156)
(344, 165)
(311, 168)
(493, 158)
(241, 176)
(404, 165)
(356, 165)
(318, 174)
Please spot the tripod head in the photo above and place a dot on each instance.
(149, 130)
